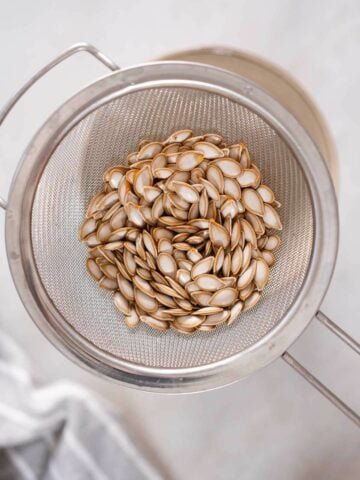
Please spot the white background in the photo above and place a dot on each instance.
(271, 425)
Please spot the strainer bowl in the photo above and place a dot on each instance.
(61, 170)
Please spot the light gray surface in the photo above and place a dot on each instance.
(271, 424)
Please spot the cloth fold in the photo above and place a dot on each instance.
(59, 431)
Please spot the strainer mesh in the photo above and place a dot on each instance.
(73, 175)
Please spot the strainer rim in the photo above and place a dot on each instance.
(20, 253)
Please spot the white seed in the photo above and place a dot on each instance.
(236, 260)
(209, 282)
(193, 255)
(93, 269)
(271, 218)
(228, 166)
(247, 291)
(179, 136)
(215, 176)
(249, 232)
(87, 227)
(266, 193)
(256, 222)
(155, 323)
(189, 321)
(121, 303)
(149, 150)
(132, 320)
(246, 256)
(269, 257)
(229, 209)
(134, 214)
(219, 236)
(188, 160)
(247, 276)
(143, 285)
(272, 243)
(183, 276)
(108, 283)
(224, 297)
(232, 188)
(262, 274)
(145, 302)
(251, 301)
(226, 268)
(213, 138)
(209, 150)
(167, 264)
(235, 312)
(151, 193)
(248, 178)
(252, 201)
(217, 318)
(204, 266)
(186, 192)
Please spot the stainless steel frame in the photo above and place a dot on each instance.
(40, 306)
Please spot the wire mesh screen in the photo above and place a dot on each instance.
(74, 174)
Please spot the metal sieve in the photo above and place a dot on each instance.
(61, 170)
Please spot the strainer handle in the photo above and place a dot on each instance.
(352, 343)
(78, 47)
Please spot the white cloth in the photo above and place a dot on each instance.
(59, 431)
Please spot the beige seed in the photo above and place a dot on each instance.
(262, 274)
(272, 243)
(249, 233)
(247, 276)
(155, 323)
(269, 257)
(235, 312)
(207, 311)
(219, 236)
(211, 190)
(252, 201)
(165, 300)
(121, 303)
(246, 257)
(149, 150)
(229, 167)
(193, 255)
(209, 150)
(232, 188)
(271, 218)
(226, 268)
(208, 282)
(236, 260)
(203, 266)
(145, 302)
(217, 318)
(224, 297)
(215, 176)
(266, 193)
(93, 269)
(251, 301)
(190, 321)
(201, 298)
(247, 291)
(179, 136)
(256, 222)
(132, 320)
(188, 160)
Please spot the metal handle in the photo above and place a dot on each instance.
(78, 47)
(351, 342)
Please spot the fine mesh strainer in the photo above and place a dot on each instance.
(61, 170)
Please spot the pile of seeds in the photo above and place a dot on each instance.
(183, 234)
